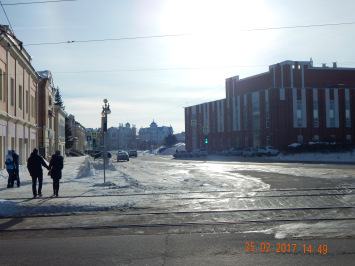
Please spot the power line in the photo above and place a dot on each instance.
(42, 2)
(184, 34)
(7, 17)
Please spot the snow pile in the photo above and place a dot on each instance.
(319, 157)
(87, 169)
(172, 150)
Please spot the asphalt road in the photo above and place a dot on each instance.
(305, 204)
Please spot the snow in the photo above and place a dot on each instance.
(345, 157)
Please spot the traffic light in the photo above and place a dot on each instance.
(94, 142)
(206, 140)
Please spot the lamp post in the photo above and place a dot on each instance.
(105, 111)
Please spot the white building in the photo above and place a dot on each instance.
(154, 133)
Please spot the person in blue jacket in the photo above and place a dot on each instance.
(15, 158)
(9, 168)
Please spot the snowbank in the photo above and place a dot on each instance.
(319, 157)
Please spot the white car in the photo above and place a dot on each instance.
(250, 152)
(267, 150)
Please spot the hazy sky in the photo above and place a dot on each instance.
(214, 48)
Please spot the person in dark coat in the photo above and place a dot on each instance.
(34, 166)
(56, 166)
(16, 159)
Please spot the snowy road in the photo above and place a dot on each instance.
(268, 195)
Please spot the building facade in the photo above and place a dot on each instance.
(78, 134)
(154, 134)
(59, 129)
(46, 114)
(122, 137)
(292, 102)
(18, 98)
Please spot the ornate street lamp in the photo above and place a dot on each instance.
(105, 111)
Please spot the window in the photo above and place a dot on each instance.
(228, 120)
(315, 114)
(229, 142)
(214, 142)
(237, 142)
(245, 117)
(347, 114)
(267, 140)
(1, 83)
(20, 97)
(246, 144)
(221, 142)
(332, 138)
(267, 114)
(12, 95)
(26, 102)
(299, 113)
(331, 113)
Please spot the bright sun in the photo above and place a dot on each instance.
(215, 26)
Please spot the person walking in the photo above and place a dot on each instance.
(16, 175)
(34, 166)
(10, 169)
(56, 166)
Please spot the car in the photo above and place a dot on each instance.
(181, 154)
(219, 152)
(250, 152)
(234, 152)
(123, 156)
(133, 153)
(198, 152)
(267, 150)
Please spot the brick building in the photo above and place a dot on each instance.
(292, 102)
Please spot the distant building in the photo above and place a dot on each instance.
(78, 133)
(46, 114)
(59, 128)
(180, 137)
(122, 137)
(292, 102)
(154, 134)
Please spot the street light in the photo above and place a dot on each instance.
(105, 111)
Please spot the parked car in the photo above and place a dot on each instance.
(181, 154)
(133, 153)
(198, 152)
(123, 156)
(267, 150)
(250, 152)
(219, 152)
(234, 152)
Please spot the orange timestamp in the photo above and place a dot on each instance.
(285, 248)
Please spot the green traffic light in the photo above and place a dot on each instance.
(206, 141)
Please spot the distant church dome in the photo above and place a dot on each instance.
(153, 124)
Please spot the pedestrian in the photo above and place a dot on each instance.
(34, 166)
(56, 166)
(10, 169)
(16, 169)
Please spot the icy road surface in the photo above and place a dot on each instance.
(225, 190)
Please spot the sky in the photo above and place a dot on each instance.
(193, 46)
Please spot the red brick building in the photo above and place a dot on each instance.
(292, 102)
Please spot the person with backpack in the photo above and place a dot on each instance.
(56, 166)
(10, 169)
(34, 166)
(16, 175)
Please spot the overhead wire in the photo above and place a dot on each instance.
(6, 16)
(38, 2)
(183, 34)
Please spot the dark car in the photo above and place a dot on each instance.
(234, 152)
(133, 153)
(123, 156)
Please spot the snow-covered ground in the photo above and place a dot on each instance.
(346, 157)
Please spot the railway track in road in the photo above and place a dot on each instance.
(344, 191)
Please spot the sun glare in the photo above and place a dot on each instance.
(215, 26)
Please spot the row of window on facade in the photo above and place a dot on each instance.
(256, 115)
(3, 96)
